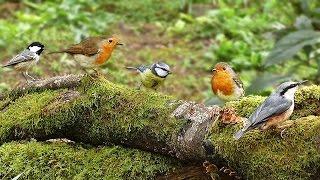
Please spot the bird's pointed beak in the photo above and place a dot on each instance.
(120, 44)
(169, 72)
(213, 70)
(302, 82)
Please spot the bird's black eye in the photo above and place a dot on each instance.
(110, 40)
(224, 68)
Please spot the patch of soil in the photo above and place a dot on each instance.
(8, 8)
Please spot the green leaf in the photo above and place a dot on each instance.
(290, 45)
(303, 23)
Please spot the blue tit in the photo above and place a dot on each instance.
(153, 76)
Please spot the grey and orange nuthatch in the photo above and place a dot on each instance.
(153, 76)
(277, 108)
(26, 59)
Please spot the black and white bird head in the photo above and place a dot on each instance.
(160, 69)
(36, 47)
(287, 89)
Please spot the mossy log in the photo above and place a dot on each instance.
(59, 160)
(98, 112)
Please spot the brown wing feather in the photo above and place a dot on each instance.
(238, 81)
(86, 47)
(76, 49)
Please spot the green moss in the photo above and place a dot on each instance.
(24, 113)
(62, 161)
(107, 113)
(246, 105)
(265, 155)
(306, 103)
(4, 102)
(122, 113)
(103, 113)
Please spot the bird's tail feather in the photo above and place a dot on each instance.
(7, 65)
(239, 134)
(132, 68)
(56, 52)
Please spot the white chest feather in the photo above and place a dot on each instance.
(290, 96)
(36, 58)
(85, 61)
(288, 113)
(290, 93)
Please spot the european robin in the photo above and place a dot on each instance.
(93, 51)
(225, 83)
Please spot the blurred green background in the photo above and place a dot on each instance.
(266, 42)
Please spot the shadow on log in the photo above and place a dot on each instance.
(102, 113)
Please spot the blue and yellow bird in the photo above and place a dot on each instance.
(153, 76)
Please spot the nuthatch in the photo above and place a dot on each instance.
(153, 76)
(225, 83)
(26, 59)
(277, 108)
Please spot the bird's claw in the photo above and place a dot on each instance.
(139, 87)
(230, 172)
(96, 72)
(282, 132)
(284, 126)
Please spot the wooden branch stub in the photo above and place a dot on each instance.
(58, 82)
(200, 118)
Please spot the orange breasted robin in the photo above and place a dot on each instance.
(27, 59)
(276, 109)
(93, 51)
(225, 83)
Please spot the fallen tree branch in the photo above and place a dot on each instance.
(58, 82)
(99, 112)
(184, 124)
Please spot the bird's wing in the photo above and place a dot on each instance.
(84, 50)
(270, 107)
(24, 56)
(88, 47)
(142, 68)
(238, 81)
